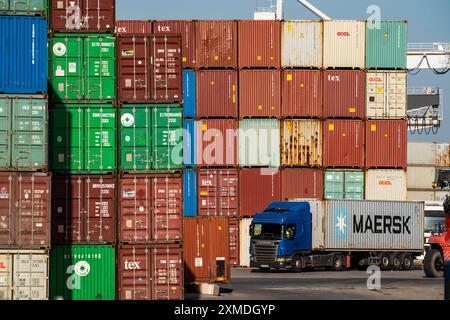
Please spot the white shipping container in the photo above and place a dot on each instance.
(421, 178)
(302, 44)
(244, 242)
(421, 195)
(386, 185)
(421, 153)
(386, 95)
(441, 195)
(442, 155)
(344, 44)
(24, 274)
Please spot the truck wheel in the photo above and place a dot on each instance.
(433, 265)
(297, 264)
(338, 263)
(407, 263)
(384, 262)
(396, 262)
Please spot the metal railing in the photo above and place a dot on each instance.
(429, 47)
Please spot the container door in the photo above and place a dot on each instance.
(189, 143)
(167, 273)
(4, 6)
(29, 7)
(100, 68)
(31, 276)
(354, 185)
(30, 134)
(5, 133)
(98, 16)
(376, 94)
(134, 271)
(396, 95)
(244, 242)
(227, 193)
(100, 139)
(207, 193)
(6, 274)
(334, 185)
(7, 207)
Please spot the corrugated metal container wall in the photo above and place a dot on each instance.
(133, 27)
(257, 189)
(344, 44)
(84, 209)
(344, 94)
(421, 154)
(302, 93)
(150, 272)
(386, 45)
(23, 55)
(301, 184)
(357, 225)
(421, 196)
(442, 155)
(189, 143)
(82, 16)
(151, 208)
(218, 193)
(259, 93)
(84, 272)
(386, 185)
(217, 144)
(206, 250)
(217, 94)
(344, 184)
(189, 94)
(343, 143)
(234, 241)
(421, 178)
(301, 143)
(259, 44)
(316, 207)
(216, 44)
(24, 275)
(386, 144)
(24, 131)
(187, 31)
(24, 8)
(386, 95)
(25, 203)
(190, 193)
(244, 242)
(302, 44)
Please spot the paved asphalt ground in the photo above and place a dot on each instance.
(325, 285)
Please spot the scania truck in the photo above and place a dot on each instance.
(337, 234)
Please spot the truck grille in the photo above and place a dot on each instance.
(265, 253)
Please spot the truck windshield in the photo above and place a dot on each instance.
(267, 231)
(434, 224)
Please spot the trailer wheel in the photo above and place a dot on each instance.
(297, 264)
(338, 263)
(407, 263)
(384, 262)
(433, 265)
(396, 262)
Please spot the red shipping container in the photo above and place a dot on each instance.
(206, 249)
(257, 189)
(259, 93)
(386, 144)
(218, 193)
(83, 16)
(151, 208)
(302, 93)
(217, 94)
(186, 29)
(84, 209)
(217, 143)
(150, 272)
(133, 27)
(234, 242)
(343, 144)
(25, 201)
(301, 184)
(216, 43)
(149, 68)
(259, 44)
(344, 94)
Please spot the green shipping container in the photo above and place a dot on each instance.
(83, 139)
(82, 67)
(386, 47)
(151, 138)
(344, 184)
(24, 8)
(83, 272)
(23, 133)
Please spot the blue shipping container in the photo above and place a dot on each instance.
(190, 193)
(23, 55)
(190, 94)
(189, 143)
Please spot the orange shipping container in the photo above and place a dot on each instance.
(299, 183)
(234, 241)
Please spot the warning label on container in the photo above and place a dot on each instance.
(72, 67)
(199, 262)
(127, 120)
(4, 193)
(129, 193)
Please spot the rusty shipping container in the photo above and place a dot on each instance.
(259, 93)
(258, 188)
(442, 154)
(206, 250)
(302, 93)
(151, 208)
(343, 143)
(301, 183)
(216, 44)
(218, 193)
(217, 143)
(386, 144)
(186, 29)
(133, 27)
(217, 94)
(84, 209)
(301, 144)
(150, 272)
(344, 94)
(25, 210)
(149, 68)
(233, 224)
(82, 16)
(259, 44)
